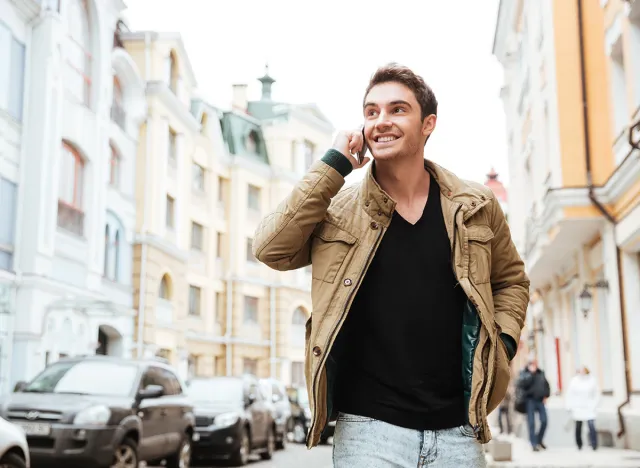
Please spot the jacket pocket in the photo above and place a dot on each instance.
(329, 248)
(479, 237)
(501, 378)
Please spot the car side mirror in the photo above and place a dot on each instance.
(151, 391)
(21, 385)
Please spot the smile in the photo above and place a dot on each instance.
(385, 139)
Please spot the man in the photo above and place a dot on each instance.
(537, 390)
(419, 295)
(504, 412)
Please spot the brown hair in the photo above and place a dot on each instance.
(394, 72)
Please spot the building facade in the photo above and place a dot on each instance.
(73, 159)
(572, 102)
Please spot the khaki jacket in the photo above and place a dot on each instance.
(338, 232)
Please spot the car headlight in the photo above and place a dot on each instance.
(307, 413)
(94, 415)
(226, 419)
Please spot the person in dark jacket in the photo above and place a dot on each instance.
(537, 390)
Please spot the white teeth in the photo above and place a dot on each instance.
(387, 138)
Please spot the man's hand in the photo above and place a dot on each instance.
(350, 143)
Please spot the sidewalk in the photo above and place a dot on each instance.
(567, 457)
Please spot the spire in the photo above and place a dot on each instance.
(266, 81)
(492, 175)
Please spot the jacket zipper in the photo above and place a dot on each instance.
(333, 332)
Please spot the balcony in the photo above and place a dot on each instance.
(164, 313)
(70, 218)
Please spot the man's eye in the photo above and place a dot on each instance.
(398, 109)
(371, 113)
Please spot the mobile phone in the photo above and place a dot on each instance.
(363, 152)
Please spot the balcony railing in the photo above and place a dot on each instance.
(118, 115)
(70, 218)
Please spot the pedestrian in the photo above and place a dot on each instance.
(419, 294)
(504, 412)
(582, 401)
(537, 390)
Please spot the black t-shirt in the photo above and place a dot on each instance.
(400, 350)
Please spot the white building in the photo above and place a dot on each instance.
(73, 158)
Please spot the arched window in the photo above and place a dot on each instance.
(71, 181)
(78, 51)
(114, 167)
(118, 114)
(165, 288)
(107, 241)
(298, 322)
(116, 261)
(171, 72)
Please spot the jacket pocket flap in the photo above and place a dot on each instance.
(331, 233)
(479, 233)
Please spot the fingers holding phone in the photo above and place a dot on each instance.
(353, 146)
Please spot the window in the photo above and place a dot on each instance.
(197, 172)
(221, 189)
(170, 212)
(250, 366)
(70, 210)
(250, 309)
(195, 294)
(250, 257)
(107, 248)
(297, 374)
(114, 167)
(219, 245)
(164, 292)
(254, 198)
(309, 150)
(197, 236)
(12, 60)
(113, 232)
(8, 204)
(171, 72)
(219, 307)
(78, 51)
(116, 260)
(173, 146)
(118, 114)
(298, 323)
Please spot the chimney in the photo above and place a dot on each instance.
(239, 101)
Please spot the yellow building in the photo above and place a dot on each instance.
(572, 100)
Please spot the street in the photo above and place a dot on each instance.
(294, 456)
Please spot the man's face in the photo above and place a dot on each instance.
(392, 121)
(533, 366)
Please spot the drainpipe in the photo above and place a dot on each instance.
(229, 328)
(145, 208)
(600, 207)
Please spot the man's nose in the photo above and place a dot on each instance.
(382, 122)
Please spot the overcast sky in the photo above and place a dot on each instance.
(325, 52)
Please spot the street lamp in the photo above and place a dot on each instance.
(586, 298)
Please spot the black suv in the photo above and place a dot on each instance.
(103, 411)
(232, 420)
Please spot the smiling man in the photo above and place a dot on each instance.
(419, 295)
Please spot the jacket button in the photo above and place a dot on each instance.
(374, 225)
(348, 282)
(367, 203)
(473, 203)
(379, 213)
(385, 199)
(317, 351)
(449, 194)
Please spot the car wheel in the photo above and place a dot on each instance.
(271, 445)
(13, 460)
(241, 457)
(126, 455)
(182, 458)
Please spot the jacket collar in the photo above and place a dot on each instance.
(456, 193)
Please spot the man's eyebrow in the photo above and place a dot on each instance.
(392, 103)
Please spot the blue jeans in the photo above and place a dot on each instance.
(533, 407)
(361, 442)
(593, 436)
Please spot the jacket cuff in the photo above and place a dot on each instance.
(338, 161)
(510, 344)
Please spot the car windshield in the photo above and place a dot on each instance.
(221, 390)
(85, 378)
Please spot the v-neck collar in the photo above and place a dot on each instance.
(433, 193)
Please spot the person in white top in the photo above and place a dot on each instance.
(582, 401)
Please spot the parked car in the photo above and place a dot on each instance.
(102, 411)
(14, 451)
(275, 394)
(232, 420)
(301, 416)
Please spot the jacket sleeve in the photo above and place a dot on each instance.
(283, 238)
(509, 281)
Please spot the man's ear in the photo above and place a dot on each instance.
(429, 125)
